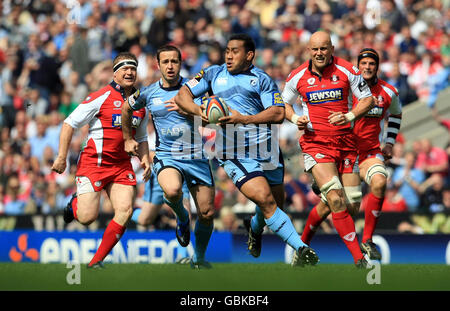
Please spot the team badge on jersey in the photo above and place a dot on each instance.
(335, 78)
(117, 103)
(254, 81)
(311, 81)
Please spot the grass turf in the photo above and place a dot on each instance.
(223, 277)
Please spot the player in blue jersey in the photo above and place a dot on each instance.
(247, 147)
(178, 157)
(153, 195)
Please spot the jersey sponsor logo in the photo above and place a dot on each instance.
(375, 112)
(117, 121)
(331, 95)
(277, 100)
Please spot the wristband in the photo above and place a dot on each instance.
(349, 116)
(295, 118)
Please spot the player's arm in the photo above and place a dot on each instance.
(361, 90)
(143, 148)
(130, 104)
(65, 138)
(289, 96)
(394, 122)
(185, 100)
(271, 115)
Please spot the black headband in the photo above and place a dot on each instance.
(369, 53)
(125, 62)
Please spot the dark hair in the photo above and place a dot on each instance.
(168, 48)
(249, 44)
(124, 55)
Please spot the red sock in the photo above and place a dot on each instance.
(75, 207)
(312, 223)
(111, 236)
(372, 212)
(345, 227)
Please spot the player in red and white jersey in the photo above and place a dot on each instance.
(103, 163)
(325, 85)
(368, 131)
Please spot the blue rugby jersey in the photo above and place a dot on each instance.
(176, 136)
(250, 93)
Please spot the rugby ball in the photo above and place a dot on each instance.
(215, 109)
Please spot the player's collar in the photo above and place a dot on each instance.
(171, 88)
(332, 60)
(120, 89)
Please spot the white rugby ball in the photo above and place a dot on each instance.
(216, 108)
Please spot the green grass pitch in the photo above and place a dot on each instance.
(223, 277)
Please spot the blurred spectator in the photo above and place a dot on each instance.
(393, 200)
(390, 13)
(296, 193)
(432, 159)
(243, 205)
(13, 205)
(67, 105)
(227, 220)
(408, 180)
(245, 23)
(400, 81)
(35, 104)
(431, 198)
(41, 140)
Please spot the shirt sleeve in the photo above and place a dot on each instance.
(141, 131)
(201, 83)
(270, 95)
(290, 92)
(86, 111)
(137, 100)
(395, 108)
(359, 86)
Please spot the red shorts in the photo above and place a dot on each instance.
(368, 154)
(102, 176)
(339, 149)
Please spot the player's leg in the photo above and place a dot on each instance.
(153, 200)
(258, 190)
(326, 176)
(84, 205)
(352, 191)
(203, 197)
(171, 181)
(122, 198)
(375, 175)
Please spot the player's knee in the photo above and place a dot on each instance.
(265, 200)
(353, 196)
(206, 216)
(86, 216)
(378, 185)
(173, 194)
(353, 209)
(335, 201)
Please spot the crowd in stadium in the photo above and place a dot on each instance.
(53, 53)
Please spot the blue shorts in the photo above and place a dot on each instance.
(154, 194)
(242, 170)
(193, 171)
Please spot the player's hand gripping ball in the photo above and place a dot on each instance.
(216, 108)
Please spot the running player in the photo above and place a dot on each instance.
(103, 163)
(368, 132)
(179, 158)
(324, 84)
(253, 162)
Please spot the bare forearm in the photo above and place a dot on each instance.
(185, 101)
(127, 112)
(272, 115)
(64, 140)
(144, 151)
(363, 106)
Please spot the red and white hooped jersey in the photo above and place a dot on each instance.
(319, 95)
(102, 111)
(369, 129)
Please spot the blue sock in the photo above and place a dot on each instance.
(257, 221)
(179, 210)
(136, 214)
(202, 235)
(281, 225)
